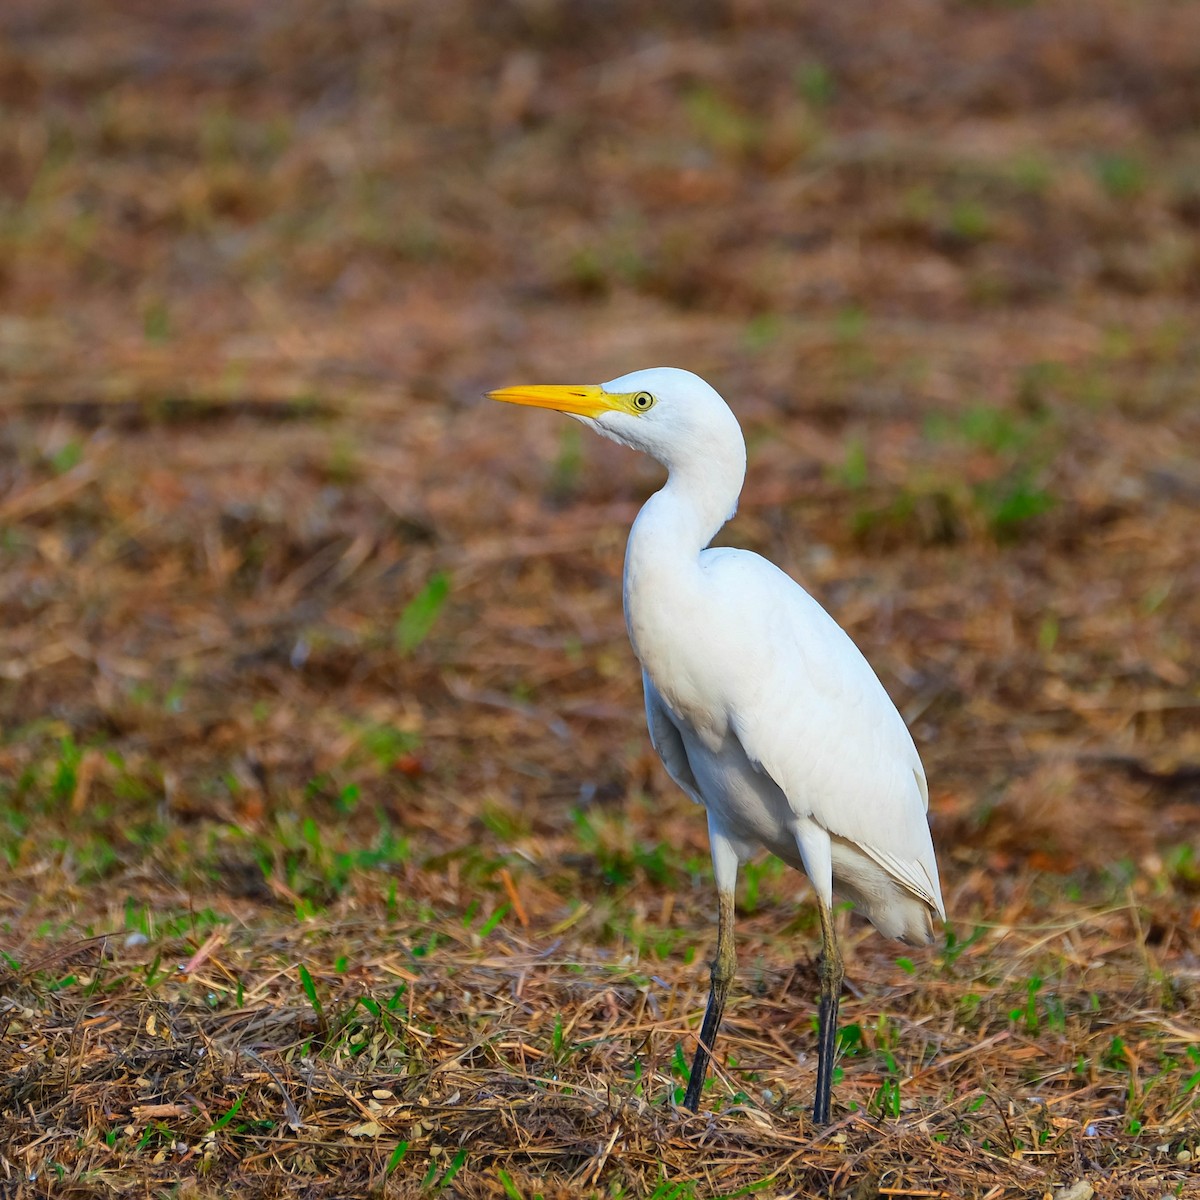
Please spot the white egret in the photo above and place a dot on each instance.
(760, 706)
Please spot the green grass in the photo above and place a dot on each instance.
(417, 620)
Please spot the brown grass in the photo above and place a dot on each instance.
(337, 860)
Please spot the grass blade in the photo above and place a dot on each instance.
(233, 1112)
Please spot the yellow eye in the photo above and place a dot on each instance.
(643, 401)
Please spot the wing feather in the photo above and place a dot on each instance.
(667, 741)
(810, 712)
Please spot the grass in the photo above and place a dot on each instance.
(335, 857)
(465, 1086)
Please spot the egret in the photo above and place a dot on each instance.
(758, 703)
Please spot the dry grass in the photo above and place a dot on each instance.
(441, 1048)
(337, 861)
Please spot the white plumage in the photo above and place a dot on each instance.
(760, 706)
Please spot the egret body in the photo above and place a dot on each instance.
(758, 703)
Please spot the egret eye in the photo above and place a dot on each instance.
(642, 401)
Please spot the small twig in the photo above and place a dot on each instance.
(205, 952)
(514, 897)
(291, 1112)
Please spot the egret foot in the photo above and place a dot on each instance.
(832, 974)
(723, 967)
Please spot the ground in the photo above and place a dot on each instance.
(336, 861)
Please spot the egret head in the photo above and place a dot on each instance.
(670, 414)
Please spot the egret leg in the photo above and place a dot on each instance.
(723, 967)
(832, 974)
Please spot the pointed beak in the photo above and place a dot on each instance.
(586, 400)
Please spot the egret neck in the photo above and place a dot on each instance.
(662, 559)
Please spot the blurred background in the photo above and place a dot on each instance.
(286, 605)
(314, 686)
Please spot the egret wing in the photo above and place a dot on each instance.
(810, 712)
(667, 741)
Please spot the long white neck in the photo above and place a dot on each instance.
(662, 559)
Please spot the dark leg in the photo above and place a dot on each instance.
(723, 966)
(827, 1013)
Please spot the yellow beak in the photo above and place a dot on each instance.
(587, 400)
